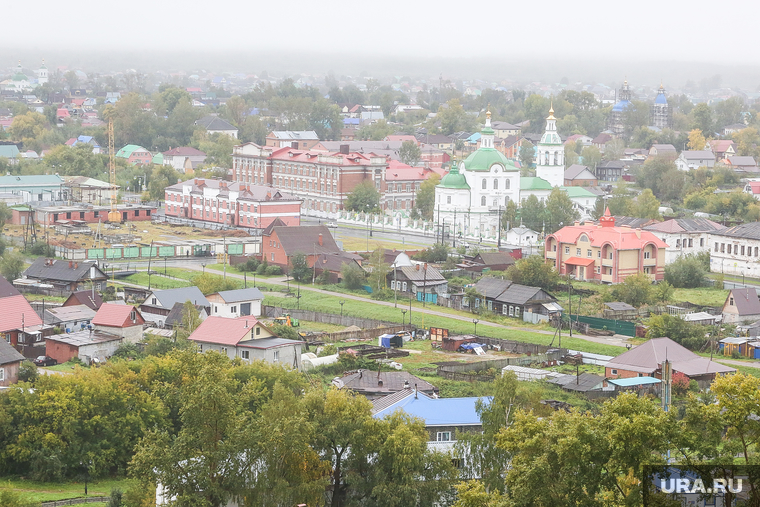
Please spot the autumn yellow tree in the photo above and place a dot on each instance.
(697, 141)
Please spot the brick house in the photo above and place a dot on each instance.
(646, 361)
(125, 321)
(279, 244)
(223, 202)
(605, 252)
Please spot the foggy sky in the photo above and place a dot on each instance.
(358, 34)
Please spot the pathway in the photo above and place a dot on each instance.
(617, 340)
(733, 362)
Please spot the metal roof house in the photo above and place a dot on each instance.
(65, 275)
(34, 188)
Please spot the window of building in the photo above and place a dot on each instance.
(496, 184)
(731, 301)
(598, 270)
(599, 254)
(484, 184)
(647, 255)
(722, 248)
(444, 436)
(517, 311)
(448, 199)
(609, 271)
(614, 372)
(742, 249)
(233, 309)
(511, 310)
(245, 354)
(691, 243)
(224, 350)
(403, 286)
(506, 184)
(554, 248)
(504, 309)
(2, 374)
(755, 251)
(276, 356)
(153, 301)
(567, 249)
(272, 256)
(258, 331)
(589, 253)
(678, 243)
(701, 241)
(483, 201)
(577, 251)
(716, 247)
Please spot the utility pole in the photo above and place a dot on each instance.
(570, 305)
(424, 286)
(454, 245)
(224, 253)
(498, 241)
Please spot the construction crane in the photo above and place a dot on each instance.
(113, 215)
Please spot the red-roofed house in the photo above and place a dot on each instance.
(322, 180)
(402, 183)
(723, 148)
(19, 323)
(605, 252)
(248, 339)
(753, 188)
(120, 320)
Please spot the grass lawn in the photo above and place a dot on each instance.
(51, 491)
(156, 281)
(319, 326)
(370, 310)
(67, 367)
(707, 296)
(48, 299)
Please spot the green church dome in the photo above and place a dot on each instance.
(454, 179)
(483, 158)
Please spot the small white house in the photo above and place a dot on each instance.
(695, 159)
(522, 236)
(236, 303)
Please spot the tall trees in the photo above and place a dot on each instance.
(526, 154)
(560, 210)
(410, 153)
(702, 119)
(424, 203)
(534, 272)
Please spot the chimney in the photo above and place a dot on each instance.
(71, 264)
(416, 267)
(379, 383)
(415, 391)
(246, 323)
(344, 149)
(76, 265)
(320, 240)
(361, 373)
(577, 223)
(406, 384)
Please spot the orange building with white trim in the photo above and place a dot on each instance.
(605, 252)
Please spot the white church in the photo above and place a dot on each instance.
(470, 199)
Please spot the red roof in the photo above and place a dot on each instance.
(621, 238)
(579, 261)
(296, 155)
(754, 186)
(113, 315)
(61, 112)
(223, 331)
(399, 171)
(17, 313)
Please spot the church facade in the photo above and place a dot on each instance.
(469, 200)
(550, 160)
(660, 115)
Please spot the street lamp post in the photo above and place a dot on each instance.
(403, 318)
(204, 271)
(341, 311)
(475, 321)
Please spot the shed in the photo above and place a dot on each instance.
(620, 311)
(581, 383)
(525, 373)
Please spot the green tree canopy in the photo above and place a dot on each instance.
(410, 153)
(364, 198)
(534, 272)
(424, 203)
(636, 290)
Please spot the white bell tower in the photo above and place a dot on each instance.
(550, 159)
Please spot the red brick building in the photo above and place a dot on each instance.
(322, 180)
(279, 244)
(51, 215)
(402, 183)
(231, 203)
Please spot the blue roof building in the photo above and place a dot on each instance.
(443, 417)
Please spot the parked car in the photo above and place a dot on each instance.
(45, 361)
(332, 225)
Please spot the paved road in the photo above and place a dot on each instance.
(617, 340)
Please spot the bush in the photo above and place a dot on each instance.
(534, 272)
(686, 272)
(328, 350)
(382, 295)
(128, 351)
(436, 253)
(691, 336)
(250, 265)
(353, 276)
(273, 270)
(28, 372)
(261, 269)
(680, 383)
(115, 500)
(636, 290)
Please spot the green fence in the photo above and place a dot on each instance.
(131, 252)
(95, 253)
(147, 251)
(113, 253)
(235, 249)
(166, 251)
(618, 326)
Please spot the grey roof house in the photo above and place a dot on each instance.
(236, 303)
(65, 275)
(159, 303)
(741, 305)
(513, 299)
(10, 360)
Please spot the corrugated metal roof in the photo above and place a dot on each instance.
(634, 381)
(233, 296)
(8, 354)
(437, 411)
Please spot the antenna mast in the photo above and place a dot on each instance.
(113, 215)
